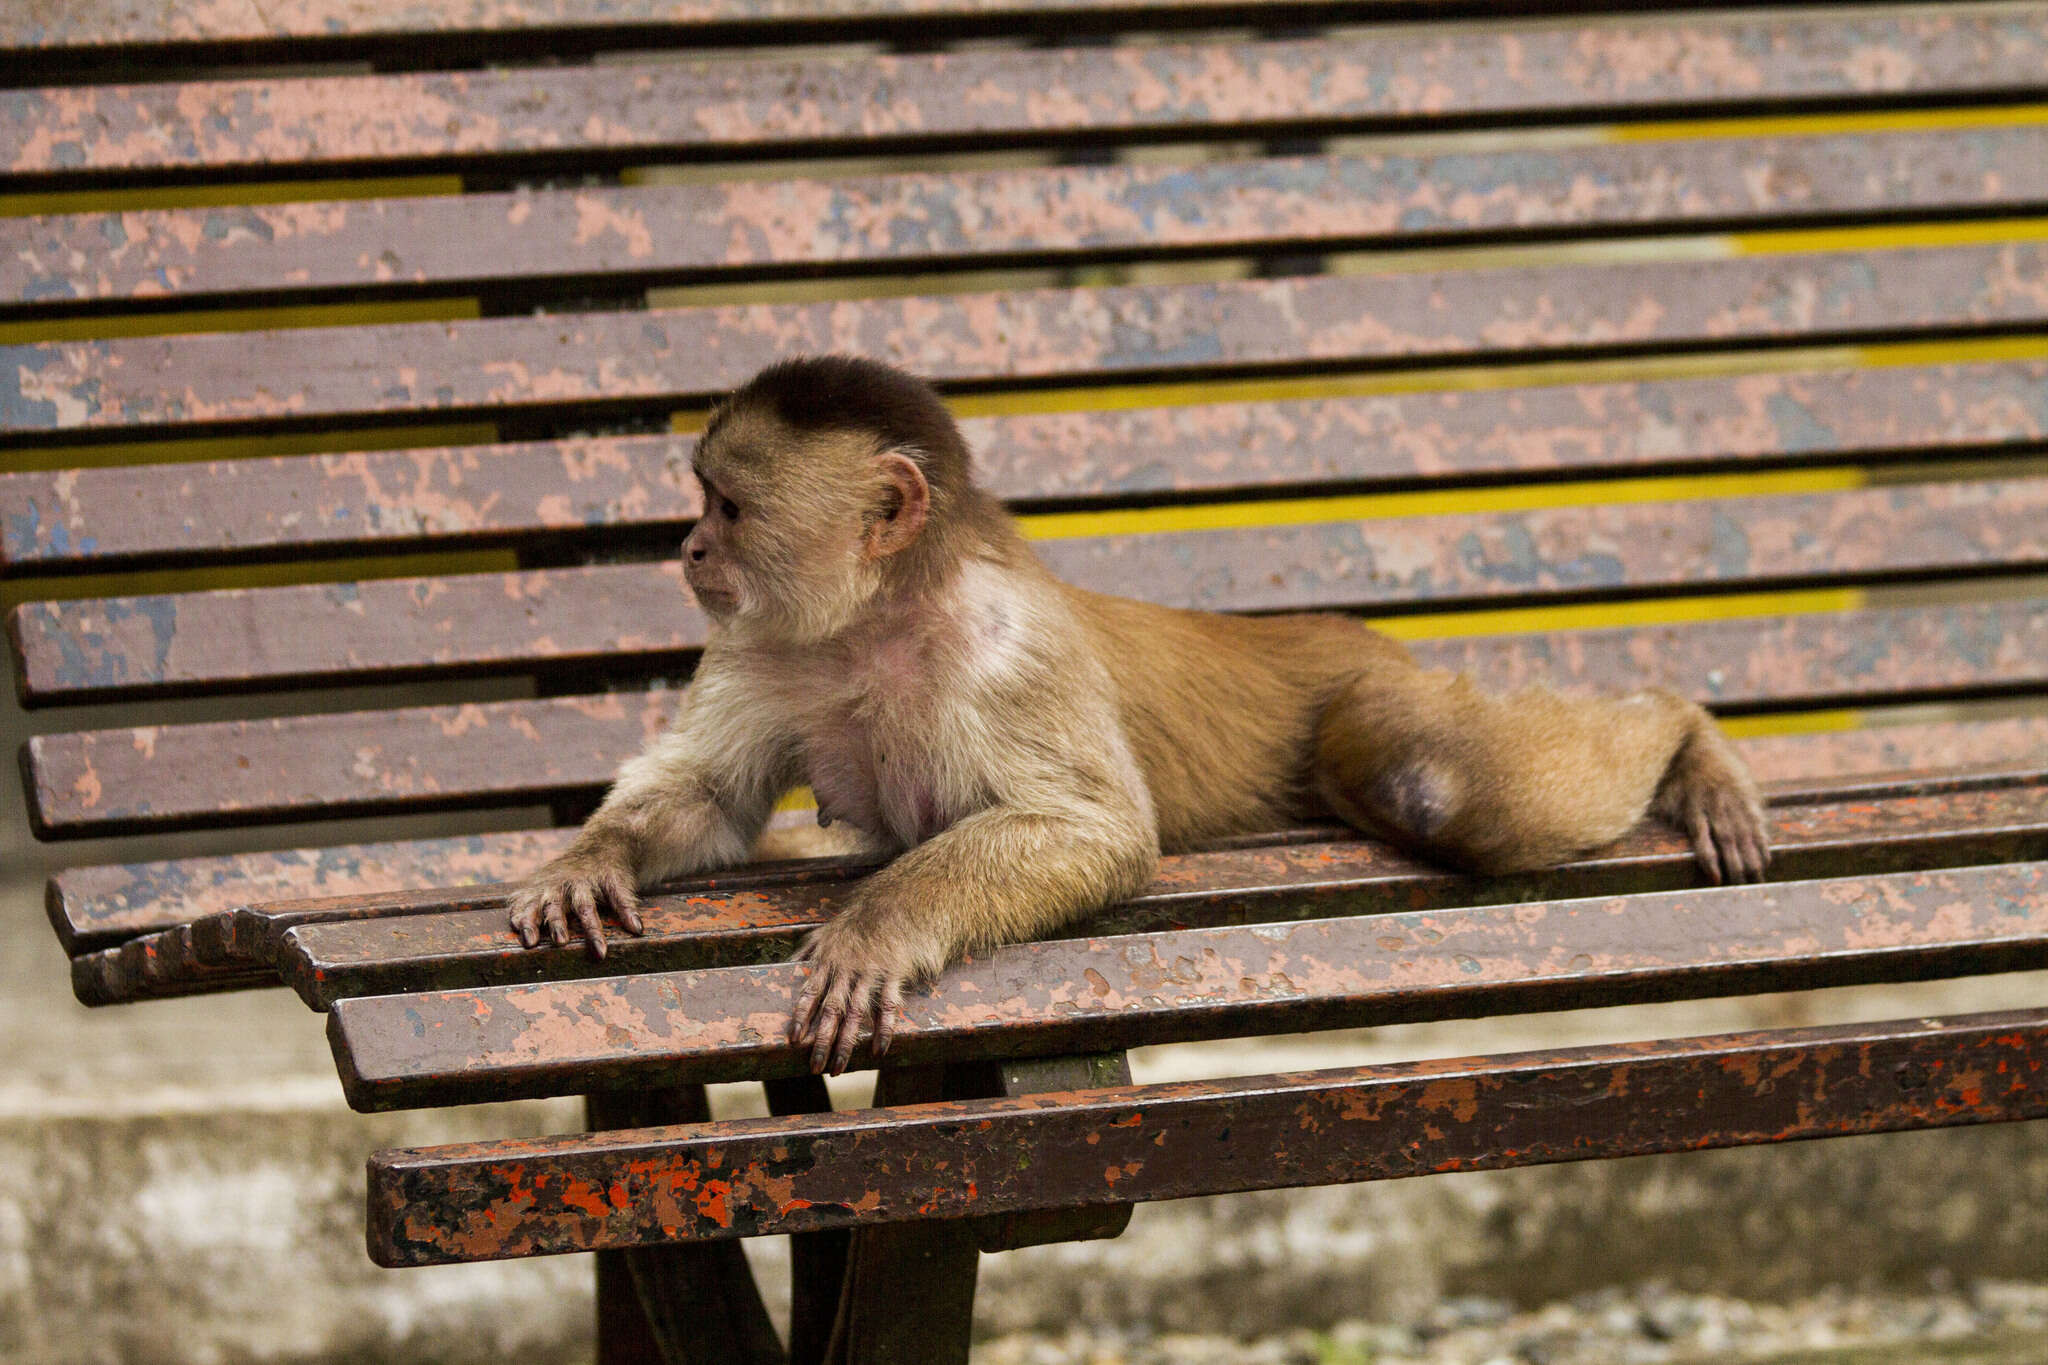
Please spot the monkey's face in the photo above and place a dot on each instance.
(781, 547)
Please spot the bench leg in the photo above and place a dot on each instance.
(817, 1260)
(908, 1289)
(687, 1304)
(908, 1292)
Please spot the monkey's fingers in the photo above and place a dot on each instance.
(832, 1016)
(582, 898)
(525, 922)
(1701, 833)
(888, 1010)
(805, 1011)
(860, 1004)
(1744, 849)
(551, 911)
(618, 888)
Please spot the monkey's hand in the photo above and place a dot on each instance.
(577, 883)
(859, 964)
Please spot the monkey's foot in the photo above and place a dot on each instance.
(565, 888)
(1726, 827)
(850, 984)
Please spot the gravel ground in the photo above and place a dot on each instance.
(1992, 1323)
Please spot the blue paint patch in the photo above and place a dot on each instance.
(45, 287)
(1520, 564)
(1796, 427)
(1974, 637)
(17, 410)
(21, 534)
(1730, 551)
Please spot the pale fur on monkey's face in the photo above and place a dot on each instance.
(779, 551)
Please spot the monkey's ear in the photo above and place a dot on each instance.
(907, 498)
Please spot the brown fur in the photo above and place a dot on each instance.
(1024, 748)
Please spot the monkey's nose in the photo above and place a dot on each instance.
(696, 554)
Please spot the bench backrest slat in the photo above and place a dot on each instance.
(75, 651)
(505, 753)
(663, 357)
(1537, 69)
(399, 27)
(1044, 216)
(522, 492)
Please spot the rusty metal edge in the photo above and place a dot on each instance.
(1165, 1141)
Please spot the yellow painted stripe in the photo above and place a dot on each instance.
(1890, 236)
(1815, 125)
(236, 320)
(265, 575)
(209, 196)
(1657, 611)
(1428, 502)
(1792, 723)
(191, 448)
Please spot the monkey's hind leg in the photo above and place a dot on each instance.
(1532, 779)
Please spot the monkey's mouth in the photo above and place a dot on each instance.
(716, 602)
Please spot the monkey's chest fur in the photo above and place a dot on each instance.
(882, 754)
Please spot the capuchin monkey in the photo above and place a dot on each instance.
(1025, 749)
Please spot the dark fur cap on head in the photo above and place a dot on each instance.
(849, 393)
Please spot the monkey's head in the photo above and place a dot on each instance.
(826, 479)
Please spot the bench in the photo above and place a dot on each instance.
(1784, 472)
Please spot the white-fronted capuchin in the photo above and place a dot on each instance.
(1025, 749)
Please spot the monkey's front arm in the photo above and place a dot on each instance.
(998, 876)
(695, 799)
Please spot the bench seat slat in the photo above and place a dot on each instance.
(458, 939)
(77, 389)
(80, 519)
(1514, 69)
(750, 1177)
(325, 962)
(1085, 995)
(1044, 215)
(94, 907)
(498, 753)
(97, 648)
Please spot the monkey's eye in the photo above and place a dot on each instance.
(730, 508)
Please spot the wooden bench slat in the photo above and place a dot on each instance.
(861, 1167)
(449, 939)
(238, 772)
(1862, 820)
(83, 25)
(97, 648)
(1081, 995)
(94, 907)
(80, 519)
(1044, 215)
(329, 961)
(665, 356)
(1651, 65)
